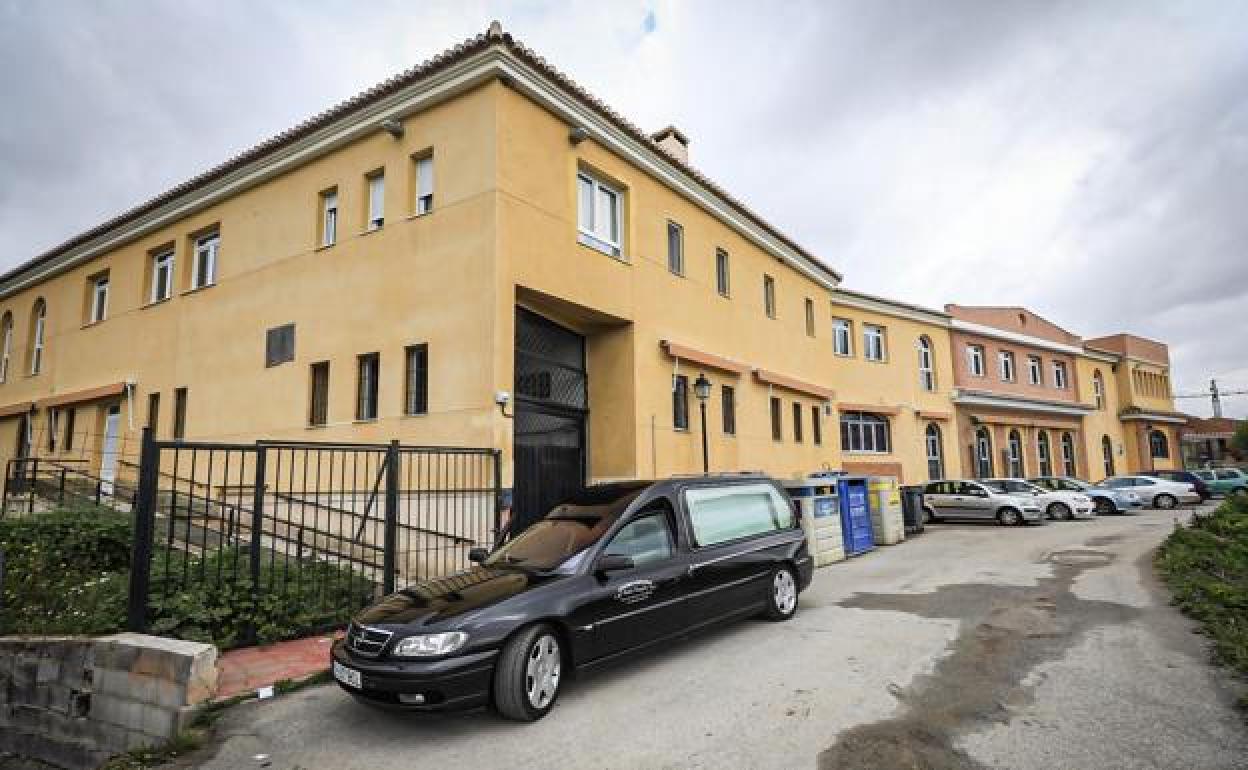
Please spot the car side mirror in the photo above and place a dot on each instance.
(478, 555)
(612, 562)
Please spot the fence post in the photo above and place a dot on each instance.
(389, 555)
(144, 524)
(60, 489)
(34, 475)
(257, 530)
(498, 496)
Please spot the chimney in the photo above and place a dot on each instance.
(673, 142)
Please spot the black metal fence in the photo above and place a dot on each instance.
(34, 484)
(322, 528)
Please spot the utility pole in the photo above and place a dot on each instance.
(1216, 397)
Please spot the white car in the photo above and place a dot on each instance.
(1158, 493)
(1057, 504)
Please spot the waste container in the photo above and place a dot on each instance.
(855, 514)
(817, 501)
(912, 508)
(886, 521)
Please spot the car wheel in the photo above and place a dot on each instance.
(1104, 507)
(929, 517)
(1165, 502)
(1009, 517)
(1060, 511)
(782, 596)
(528, 674)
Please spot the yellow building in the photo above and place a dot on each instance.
(474, 253)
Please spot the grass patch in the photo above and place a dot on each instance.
(1205, 565)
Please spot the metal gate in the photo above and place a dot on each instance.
(552, 400)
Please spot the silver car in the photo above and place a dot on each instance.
(1158, 493)
(961, 499)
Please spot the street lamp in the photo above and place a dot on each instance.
(702, 389)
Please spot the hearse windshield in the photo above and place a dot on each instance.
(565, 532)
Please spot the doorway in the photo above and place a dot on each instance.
(108, 450)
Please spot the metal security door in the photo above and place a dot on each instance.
(551, 407)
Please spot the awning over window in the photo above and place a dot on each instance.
(685, 353)
(845, 406)
(791, 383)
(82, 396)
(931, 415)
(13, 410)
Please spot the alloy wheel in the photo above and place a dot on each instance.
(784, 592)
(541, 675)
(1165, 502)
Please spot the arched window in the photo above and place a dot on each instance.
(6, 339)
(983, 454)
(927, 372)
(935, 455)
(1044, 452)
(1068, 455)
(1107, 455)
(1098, 389)
(864, 432)
(1015, 446)
(1159, 444)
(38, 318)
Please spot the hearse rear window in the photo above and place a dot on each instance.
(720, 514)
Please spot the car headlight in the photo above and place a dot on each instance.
(430, 645)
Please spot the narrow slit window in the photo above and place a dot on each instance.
(376, 200)
(424, 184)
(318, 397)
(369, 368)
(416, 380)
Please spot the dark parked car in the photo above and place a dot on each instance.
(616, 569)
(1187, 477)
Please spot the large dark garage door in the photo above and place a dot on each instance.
(551, 405)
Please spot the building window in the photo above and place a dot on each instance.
(777, 428)
(842, 337)
(865, 432)
(279, 345)
(6, 338)
(98, 304)
(367, 372)
(204, 269)
(769, 296)
(1035, 370)
(680, 402)
(1044, 453)
(728, 405)
(797, 422)
(162, 276)
(153, 413)
(1107, 455)
(1014, 451)
(39, 319)
(329, 217)
(935, 453)
(816, 426)
(1098, 390)
(424, 183)
(983, 454)
(318, 396)
(52, 429)
(70, 414)
(376, 199)
(1059, 374)
(1159, 445)
(675, 248)
(598, 215)
(1007, 366)
(927, 369)
(975, 359)
(873, 346)
(810, 317)
(179, 413)
(723, 280)
(416, 380)
(1068, 455)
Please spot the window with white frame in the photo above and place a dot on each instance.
(842, 337)
(6, 334)
(1035, 370)
(376, 199)
(162, 276)
(1007, 366)
(874, 347)
(675, 248)
(598, 214)
(1098, 389)
(40, 317)
(204, 269)
(927, 370)
(1059, 374)
(329, 217)
(723, 278)
(975, 359)
(424, 184)
(864, 432)
(99, 298)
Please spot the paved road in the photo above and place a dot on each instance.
(969, 646)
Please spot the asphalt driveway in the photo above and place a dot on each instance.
(968, 646)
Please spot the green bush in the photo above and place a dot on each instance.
(1206, 566)
(67, 572)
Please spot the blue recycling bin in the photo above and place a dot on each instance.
(855, 515)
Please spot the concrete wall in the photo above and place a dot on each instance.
(73, 702)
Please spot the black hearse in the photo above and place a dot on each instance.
(615, 569)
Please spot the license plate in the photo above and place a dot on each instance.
(348, 676)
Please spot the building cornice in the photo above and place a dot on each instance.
(1147, 416)
(1007, 336)
(855, 299)
(976, 398)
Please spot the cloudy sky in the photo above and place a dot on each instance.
(1086, 159)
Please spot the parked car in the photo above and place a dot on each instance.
(1105, 499)
(1156, 492)
(1062, 505)
(1224, 481)
(959, 499)
(1185, 477)
(615, 569)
